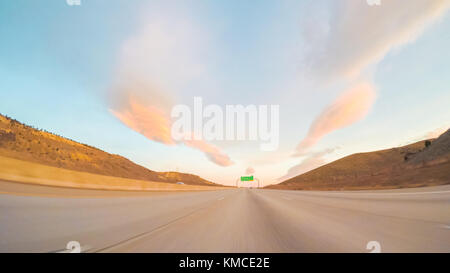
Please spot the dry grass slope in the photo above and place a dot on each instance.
(15, 170)
(23, 142)
(412, 165)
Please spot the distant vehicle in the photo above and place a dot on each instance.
(180, 183)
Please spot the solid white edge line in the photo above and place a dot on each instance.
(383, 193)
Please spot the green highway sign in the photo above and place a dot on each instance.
(247, 178)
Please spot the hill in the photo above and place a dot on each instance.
(437, 152)
(20, 141)
(424, 163)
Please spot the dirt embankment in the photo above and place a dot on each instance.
(425, 163)
(21, 142)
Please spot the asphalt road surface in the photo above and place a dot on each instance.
(236, 220)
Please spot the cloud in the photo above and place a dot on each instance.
(345, 41)
(161, 59)
(312, 161)
(154, 124)
(167, 54)
(435, 133)
(211, 151)
(350, 107)
(250, 170)
(149, 121)
(428, 135)
(358, 35)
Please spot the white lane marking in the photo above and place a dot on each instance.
(446, 226)
(385, 193)
(426, 192)
(221, 198)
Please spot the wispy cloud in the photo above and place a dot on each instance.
(250, 170)
(358, 35)
(211, 151)
(435, 133)
(350, 107)
(354, 37)
(152, 122)
(159, 60)
(149, 121)
(311, 161)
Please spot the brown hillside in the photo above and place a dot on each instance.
(412, 165)
(438, 152)
(23, 142)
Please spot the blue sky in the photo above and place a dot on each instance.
(60, 63)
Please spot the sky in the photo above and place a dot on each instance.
(348, 77)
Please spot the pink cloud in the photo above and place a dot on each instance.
(152, 122)
(250, 170)
(311, 162)
(211, 151)
(148, 121)
(352, 106)
(435, 133)
(154, 64)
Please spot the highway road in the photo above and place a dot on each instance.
(236, 220)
